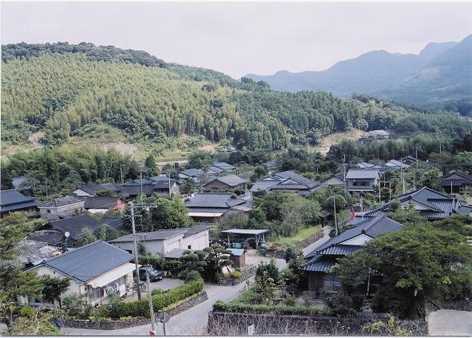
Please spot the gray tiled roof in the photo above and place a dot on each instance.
(89, 261)
(213, 200)
(151, 236)
(371, 226)
(100, 202)
(192, 172)
(362, 174)
(230, 180)
(11, 200)
(223, 166)
(319, 265)
(61, 201)
(76, 224)
(92, 188)
(297, 179)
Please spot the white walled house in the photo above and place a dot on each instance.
(61, 207)
(95, 271)
(168, 242)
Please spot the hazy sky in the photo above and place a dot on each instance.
(240, 38)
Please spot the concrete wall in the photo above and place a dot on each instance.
(63, 211)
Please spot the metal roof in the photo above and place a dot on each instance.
(89, 261)
(235, 252)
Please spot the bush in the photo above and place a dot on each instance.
(273, 309)
(236, 274)
(160, 300)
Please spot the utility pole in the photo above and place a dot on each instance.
(335, 218)
(151, 307)
(402, 179)
(344, 174)
(121, 174)
(131, 205)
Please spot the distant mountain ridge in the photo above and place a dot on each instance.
(440, 73)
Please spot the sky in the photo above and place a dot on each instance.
(244, 37)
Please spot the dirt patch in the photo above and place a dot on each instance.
(122, 148)
(35, 138)
(329, 140)
(211, 148)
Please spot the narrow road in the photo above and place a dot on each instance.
(193, 321)
(450, 323)
(309, 248)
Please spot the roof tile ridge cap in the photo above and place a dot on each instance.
(372, 222)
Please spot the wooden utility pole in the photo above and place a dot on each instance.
(335, 218)
(133, 226)
(151, 307)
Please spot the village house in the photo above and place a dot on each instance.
(100, 205)
(246, 237)
(212, 207)
(96, 271)
(192, 174)
(319, 263)
(221, 168)
(286, 181)
(228, 183)
(12, 201)
(237, 257)
(169, 243)
(76, 225)
(362, 180)
(456, 182)
(427, 202)
(91, 189)
(32, 253)
(165, 185)
(61, 207)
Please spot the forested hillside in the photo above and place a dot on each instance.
(68, 90)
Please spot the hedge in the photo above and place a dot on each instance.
(160, 301)
(272, 309)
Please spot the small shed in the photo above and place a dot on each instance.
(245, 235)
(238, 257)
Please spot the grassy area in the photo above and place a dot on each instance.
(299, 238)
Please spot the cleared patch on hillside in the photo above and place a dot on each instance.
(335, 138)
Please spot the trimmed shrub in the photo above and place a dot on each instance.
(160, 301)
(270, 309)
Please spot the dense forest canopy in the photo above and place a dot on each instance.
(63, 89)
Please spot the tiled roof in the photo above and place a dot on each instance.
(223, 166)
(76, 224)
(193, 172)
(152, 236)
(213, 200)
(61, 201)
(362, 174)
(99, 202)
(230, 180)
(296, 178)
(90, 261)
(319, 265)
(11, 200)
(371, 226)
(92, 188)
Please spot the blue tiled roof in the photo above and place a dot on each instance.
(11, 200)
(319, 265)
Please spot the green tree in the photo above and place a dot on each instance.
(86, 237)
(411, 266)
(169, 213)
(53, 288)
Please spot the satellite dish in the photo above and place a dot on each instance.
(67, 234)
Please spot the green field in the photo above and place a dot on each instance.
(298, 239)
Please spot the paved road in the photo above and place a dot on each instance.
(450, 323)
(309, 248)
(191, 322)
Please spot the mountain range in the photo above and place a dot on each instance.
(440, 74)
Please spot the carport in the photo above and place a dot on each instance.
(242, 235)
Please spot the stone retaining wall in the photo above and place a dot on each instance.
(229, 323)
(114, 324)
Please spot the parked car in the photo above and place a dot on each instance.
(154, 275)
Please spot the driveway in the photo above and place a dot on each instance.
(450, 323)
(193, 321)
